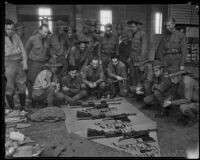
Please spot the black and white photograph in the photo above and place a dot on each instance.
(100, 80)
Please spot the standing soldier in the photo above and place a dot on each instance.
(37, 50)
(172, 47)
(138, 50)
(15, 65)
(80, 55)
(117, 76)
(107, 46)
(58, 46)
(119, 32)
(19, 29)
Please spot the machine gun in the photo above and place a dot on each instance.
(81, 115)
(96, 134)
(102, 104)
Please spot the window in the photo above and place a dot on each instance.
(106, 17)
(158, 23)
(45, 13)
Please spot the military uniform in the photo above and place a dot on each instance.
(79, 58)
(137, 54)
(37, 50)
(107, 46)
(172, 49)
(94, 75)
(146, 81)
(75, 92)
(119, 70)
(15, 75)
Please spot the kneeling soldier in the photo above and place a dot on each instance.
(143, 87)
(46, 86)
(186, 96)
(93, 77)
(161, 89)
(72, 85)
(117, 75)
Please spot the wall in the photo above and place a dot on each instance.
(11, 12)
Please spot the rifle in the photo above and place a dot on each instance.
(102, 104)
(96, 134)
(87, 116)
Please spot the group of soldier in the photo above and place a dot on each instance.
(67, 66)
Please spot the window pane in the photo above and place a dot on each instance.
(158, 23)
(44, 11)
(106, 17)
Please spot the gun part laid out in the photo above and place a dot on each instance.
(87, 116)
(96, 134)
(102, 104)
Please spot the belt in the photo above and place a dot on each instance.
(36, 61)
(173, 53)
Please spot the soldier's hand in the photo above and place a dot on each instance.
(167, 103)
(25, 65)
(182, 67)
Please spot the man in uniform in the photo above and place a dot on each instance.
(72, 85)
(37, 50)
(119, 32)
(186, 96)
(80, 55)
(58, 46)
(117, 73)
(138, 50)
(93, 78)
(107, 46)
(172, 48)
(47, 85)
(15, 65)
(144, 86)
(161, 90)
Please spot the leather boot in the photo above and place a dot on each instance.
(22, 98)
(10, 100)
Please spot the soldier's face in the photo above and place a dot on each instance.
(175, 79)
(73, 73)
(98, 28)
(53, 69)
(133, 28)
(82, 46)
(61, 30)
(95, 63)
(170, 26)
(157, 72)
(108, 30)
(115, 61)
(44, 32)
(69, 33)
(9, 30)
(119, 31)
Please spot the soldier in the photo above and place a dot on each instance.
(119, 31)
(19, 29)
(98, 28)
(138, 50)
(161, 90)
(117, 76)
(44, 21)
(72, 39)
(186, 96)
(107, 46)
(172, 48)
(15, 66)
(72, 85)
(144, 86)
(80, 55)
(37, 50)
(58, 46)
(93, 78)
(46, 86)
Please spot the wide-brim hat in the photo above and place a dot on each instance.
(53, 63)
(19, 25)
(157, 64)
(174, 71)
(132, 21)
(61, 24)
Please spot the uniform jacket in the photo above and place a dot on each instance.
(119, 69)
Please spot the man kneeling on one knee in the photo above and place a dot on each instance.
(93, 78)
(46, 86)
(72, 85)
(186, 96)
